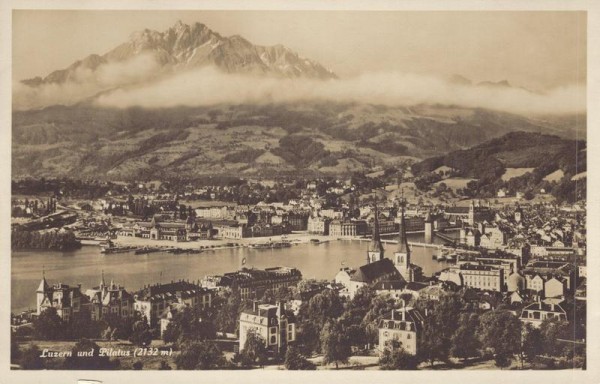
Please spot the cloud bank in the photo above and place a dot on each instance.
(84, 83)
(208, 86)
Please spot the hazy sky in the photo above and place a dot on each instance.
(538, 50)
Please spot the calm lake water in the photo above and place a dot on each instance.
(85, 265)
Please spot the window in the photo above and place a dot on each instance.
(273, 339)
(273, 329)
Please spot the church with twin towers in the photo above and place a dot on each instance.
(379, 269)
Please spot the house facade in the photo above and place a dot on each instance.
(400, 329)
(274, 325)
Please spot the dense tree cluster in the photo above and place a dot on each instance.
(189, 325)
(336, 328)
(51, 240)
(200, 355)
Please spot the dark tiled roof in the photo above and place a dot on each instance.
(474, 267)
(389, 285)
(368, 273)
(539, 306)
(414, 286)
(412, 318)
(457, 210)
(183, 288)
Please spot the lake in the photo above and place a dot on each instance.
(85, 266)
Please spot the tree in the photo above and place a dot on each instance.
(552, 330)
(307, 338)
(358, 307)
(137, 366)
(335, 344)
(200, 355)
(229, 307)
(164, 366)
(324, 306)
(188, 325)
(86, 355)
(429, 343)
(83, 327)
(465, 343)
(15, 352)
(357, 335)
(255, 350)
(500, 332)
(435, 341)
(122, 327)
(380, 306)
(294, 360)
(397, 359)
(141, 335)
(533, 344)
(48, 325)
(30, 358)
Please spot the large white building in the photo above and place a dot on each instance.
(271, 322)
(400, 330)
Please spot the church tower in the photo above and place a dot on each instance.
(102, 282)
(402, 255)
(472, 214)
(428, 228)
(42, 292)
(518, 214)
(375, 251)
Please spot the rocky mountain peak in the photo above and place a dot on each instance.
(185, 46)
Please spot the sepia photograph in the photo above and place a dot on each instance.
(329, 190)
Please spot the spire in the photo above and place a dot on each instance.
(403, 241)
(102, 282)
(428, 217)
(376, 245)
(43, 284)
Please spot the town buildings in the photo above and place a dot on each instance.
(251, 283)
(109, 300)
(153, 299)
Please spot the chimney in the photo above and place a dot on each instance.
(254, 306)
(393, 314)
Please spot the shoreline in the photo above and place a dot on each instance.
(293, 238)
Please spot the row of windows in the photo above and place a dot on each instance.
(398, 335)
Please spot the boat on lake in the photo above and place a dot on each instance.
(145, 250)
(272, 245)
(109, 247)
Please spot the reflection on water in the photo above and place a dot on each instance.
(85, 266)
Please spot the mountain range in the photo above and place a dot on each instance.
(329, 138)
(186, 46)
(83, 139)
